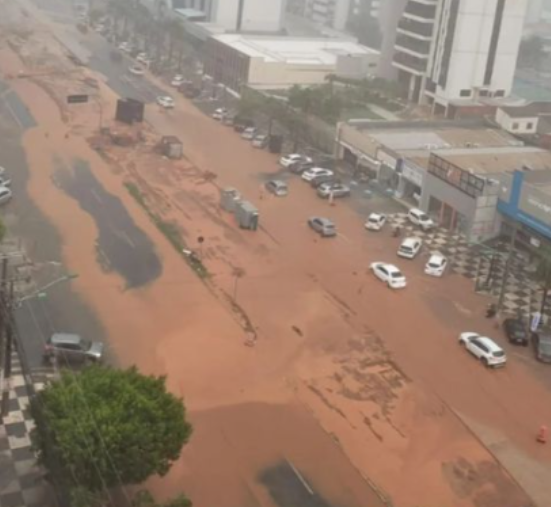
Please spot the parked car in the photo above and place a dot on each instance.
(144, 59)
(125, 47)
(300, 166)
(436, 265)
(219, 113)
(248, 133)
(136, 70)
(542, 345)
(71, 348)
(291, 158)
(228, 119)
(323, 226)
(260, 141)
(240, 123)
(410, 248)
(389, 274)
(516, 331)
(177, 80)
(5, 195)
(483, 348)
(323, 178)
(418, 217)
(277, 187)
(325, 190)
(192, 92)
(375, 222)
(310, 174)
(165, 101)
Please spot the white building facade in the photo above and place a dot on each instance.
(332, 13)
(458, 50)
(264, 16)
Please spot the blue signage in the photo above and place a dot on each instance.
(511, 208)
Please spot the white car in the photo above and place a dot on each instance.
(436, 265)
(418, 217)
(5, 195)
(389, 274)
(410, 248)
(126, 47)
(375, 222)
(144, 59)
(177, 80)
(310, 174)
(290, 159)
(165, 101)
(136, 70)
(219, 113)
(483, 348)
(248, 133)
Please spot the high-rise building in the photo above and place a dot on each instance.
(332, 13)
(237, 15)
(458, 50)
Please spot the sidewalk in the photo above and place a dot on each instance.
(21, 480)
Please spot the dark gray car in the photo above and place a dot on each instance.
(72, 348)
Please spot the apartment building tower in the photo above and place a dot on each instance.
(458, 51)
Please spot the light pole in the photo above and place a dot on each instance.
(41, 293)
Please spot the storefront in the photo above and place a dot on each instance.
(410, 181)
(525, 207)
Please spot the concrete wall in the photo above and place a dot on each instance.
(258, 15)
(282, 75)
(389, 14)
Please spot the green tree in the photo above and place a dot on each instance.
(543, 275)
(3, 230)
(105, 427)
(145, 499)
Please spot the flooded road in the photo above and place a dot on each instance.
(121, 245)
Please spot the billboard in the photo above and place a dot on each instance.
(535, 203)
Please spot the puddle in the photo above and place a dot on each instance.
(122, 246)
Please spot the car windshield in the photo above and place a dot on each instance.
(435, 264)
(374, 219)
(396, 274)
(498, 353)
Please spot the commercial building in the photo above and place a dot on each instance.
(232, 15)
(452, 169)
(525, 207)
(281, 62)
(457, 51)
(332, 13)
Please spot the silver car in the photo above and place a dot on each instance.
(325, 190)
(323, 226)
(5, 195)
(72, 348)
(277, 187)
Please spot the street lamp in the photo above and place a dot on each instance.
(42, 292)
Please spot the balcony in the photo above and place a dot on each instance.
(416, 29)
(420, 48)
(418, 10)
(409, 63)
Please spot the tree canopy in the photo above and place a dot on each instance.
(106, 427)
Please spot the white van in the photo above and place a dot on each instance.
(418, 217)
(410, 248)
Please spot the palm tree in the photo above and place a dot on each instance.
(543, 275)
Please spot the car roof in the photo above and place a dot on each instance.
(411, 241)
(437, 258)
(491, 344)
(65, 338)
(279, 183)
(326, 221)
(376, 215)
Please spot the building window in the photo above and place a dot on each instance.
(499, 93)
(514, 126)
(529, 125)
(465, 93)
(493, 42)
(483, 93)
(463, 180)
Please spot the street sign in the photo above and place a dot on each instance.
(77, 99)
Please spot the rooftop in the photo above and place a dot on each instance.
(529, 110)
(294, 50)
(494, 161)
